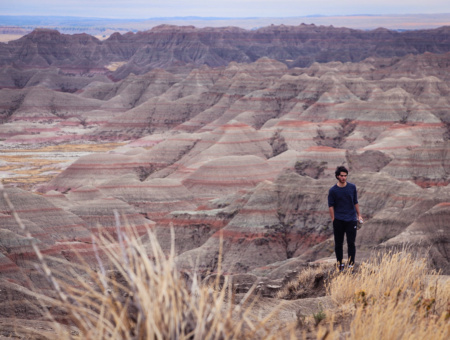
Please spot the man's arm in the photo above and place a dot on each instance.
(331, 204)
(357, 212)
(331, 213)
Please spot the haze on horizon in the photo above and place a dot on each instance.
(142, 9)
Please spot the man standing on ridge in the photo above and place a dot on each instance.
(344, 212)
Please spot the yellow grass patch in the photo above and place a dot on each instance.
(74, 148)
(25, 170)
(395, 296)
(9, 37)
(115, 65)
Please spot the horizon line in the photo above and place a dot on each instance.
(190, 17)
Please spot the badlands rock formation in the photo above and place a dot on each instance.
(209, 145)
(172, 46)
(234, 155)
(54, 229)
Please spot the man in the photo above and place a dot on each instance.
(344, 212)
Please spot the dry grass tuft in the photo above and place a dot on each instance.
(306, 280)
(142, 297)
(394, 296)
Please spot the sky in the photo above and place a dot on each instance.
(142, 9)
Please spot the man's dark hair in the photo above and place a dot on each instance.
(340, 169)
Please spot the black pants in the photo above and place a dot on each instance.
(340, 229)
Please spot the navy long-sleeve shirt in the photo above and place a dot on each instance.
(343, 201)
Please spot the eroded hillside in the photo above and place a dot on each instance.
(237, 153)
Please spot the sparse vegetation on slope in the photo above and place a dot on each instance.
(394, 296)
(137, 292)
(136, 296)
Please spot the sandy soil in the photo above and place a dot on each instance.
(9, 37)
(25, 168)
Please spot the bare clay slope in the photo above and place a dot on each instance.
(247, 151)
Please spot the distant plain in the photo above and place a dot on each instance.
(14, 27)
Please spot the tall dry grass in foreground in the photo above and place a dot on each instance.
(142, 297)
(134, 296)
(394, 297)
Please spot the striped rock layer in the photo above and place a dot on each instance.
(241, 154)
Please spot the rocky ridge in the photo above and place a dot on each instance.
(168, 46)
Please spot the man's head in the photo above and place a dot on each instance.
(341, 174)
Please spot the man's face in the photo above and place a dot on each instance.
(342, 177)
